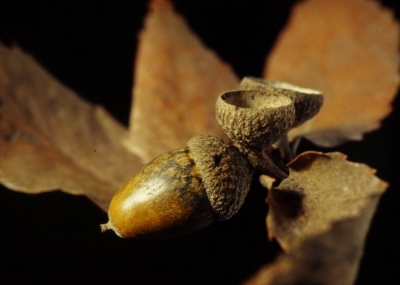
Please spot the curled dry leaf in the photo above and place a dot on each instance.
(329, 258)
(350, 51)
(320, 216)
(51, 139)
(320, 189)
(177, 81)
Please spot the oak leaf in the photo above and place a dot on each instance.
(321, 189)
(51, 139)
(349, 51)
(320, 216)
(177, 81)
(328, 258)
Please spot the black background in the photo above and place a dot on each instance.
(90, 47)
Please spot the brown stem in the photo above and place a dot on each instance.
(268, 160)
(295, 145)
(283, 144)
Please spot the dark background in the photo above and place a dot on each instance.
(90, 47)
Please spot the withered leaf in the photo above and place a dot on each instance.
(51, 139)
(177, 81)
(320, 216)
(350, 51)
(328, 258)
(321, 189)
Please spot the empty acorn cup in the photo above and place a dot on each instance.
(255, 118)
(307, 102)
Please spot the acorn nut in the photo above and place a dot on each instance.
(182, 191)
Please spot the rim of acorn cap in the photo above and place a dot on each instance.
(307, 102)
(260, 115)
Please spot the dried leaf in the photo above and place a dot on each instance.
(320, 189)
(51, 139)
(177, 81)
(350, 51)
(329, 258)
(320, 216)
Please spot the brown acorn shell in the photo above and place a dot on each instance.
(307, 102)
(166, 198)
(255, 118)
(225, 172)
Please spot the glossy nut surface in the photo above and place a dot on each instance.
(166, 198)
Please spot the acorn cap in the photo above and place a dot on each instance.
(225, 172)
(255, 118)
(307, 102)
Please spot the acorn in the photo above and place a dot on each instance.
(187, 189)
(182, 191)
